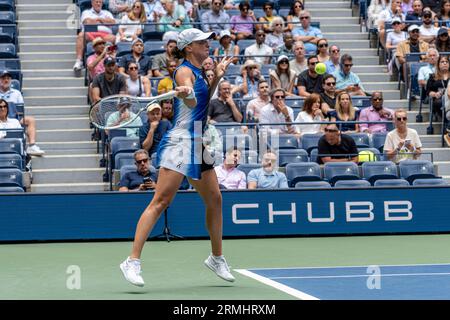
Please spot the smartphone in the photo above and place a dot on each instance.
(112, 48)
(147, 179)
(407, 142)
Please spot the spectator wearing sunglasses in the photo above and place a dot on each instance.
(329, 93)
(309, 81)
(335, 146)
(242, 25)
(293, 17)
(287, 48)
(442, 18)
(277, 112)
(393, 39)
(259, 51)
(428, 32)
(442, 42)
(143, 178)
(282, 76)
(267, 19)
(215, 20)
(386, 16)
(335, 56)
(275, 38)
(376, 112)
(309, 35)
(322, 50)
(402, 143)
(346, 80)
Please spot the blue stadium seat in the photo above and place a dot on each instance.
(391, 183)
(265, 68)
(295, 103)
(313, 155)
(123, 48)
(334, 171)
(11, 178)
(213, 44)
(376, 154)
(378, 140)
(123, 159)
(430, 182)
(248, 157)
(310, 141)
(352, 184)
(228, 128)
(241, 141)
(150, 33)
(11, 145)
(154, 47)
(361, 102)
(306, 171)
(116, 133)
(234, 69)
(246, 168)
(8, 34)
(284, 12)
(411, 170)
(361, 139)
(312, 184)
(11, 161)
(286, 141)
(374, 171)
(259, 13)
(7, 51)
(11, 189)
(245, 43)
(89, 49)
(286, 156)
(7, 17)
(414, 87)
(10, 64)
(122, 145)
(7, 5)
(15, 84)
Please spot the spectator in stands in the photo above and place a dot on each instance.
(166, 84)
(428, 32)
(386, 16)
(426, 71)
(160, 61)
(133, 20)
(210, 76)
(242, 25)
(374, 10)
(443, 16)
(267, 19)
(95, 61)
(416, 14)
(346, 80)
(275, 39)
(344, 111)
(137, 56)
(11, 95)
(228, 176)
(137, 85)
(436, 85)
(335, 146)
(311, 113)
(277, 112)
(322, 50)
(123, 115)
(329, 94)
(259, 51)
(224, 109)
(254, 106)
(393, 39)
(227, 47)
(153, 10)
(93, 16)
(442, 42)
(189, 7)
(309, 35)
(298, 64)
(152, 131)
(267, 177)
(293, 17)
(207, 4)
(119, 8)
(247, 83)
(402, 143)
(167, 111)
(282, 76)
(376, 112)
(407, 6)
(287, 48)
(142, 179)
(109, 82)
(5, 121)
(176, 18)
(208, 64)
(333, 63)
(309, 81)
(215, 20)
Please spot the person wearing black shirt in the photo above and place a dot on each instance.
(336, 147)
(309, 81)
(329, 94)
(437, 83)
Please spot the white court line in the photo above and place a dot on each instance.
(293, 292)
(335, 267)
(366, 275)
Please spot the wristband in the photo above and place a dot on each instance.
(191, 95)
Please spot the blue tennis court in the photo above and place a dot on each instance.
(424, 282)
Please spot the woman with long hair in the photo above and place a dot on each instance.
(311, 113)
(138, 86)
(181, 154)
(322, 50)
(133, 23)
(294, 15)
(437, 83)
(283, 77)
(344, 111)
(442, 19)
(442, 42)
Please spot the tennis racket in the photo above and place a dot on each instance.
(119, 111)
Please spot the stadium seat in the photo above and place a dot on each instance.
(361, 102)
(11, 161)
(8, 34)
(391, 183)
(246, 168)
(286, 156)
(430, 182)
(352, 184)
(411, 170)
(334, 171)
(283, 141)
(378, 140)
(11, 145)
(310, 141)
(7, 51)
(234, 69)
(154, 47)
(10, 64)
(122, 145)
(7, 17)
(295, 104)
(306, 171)
(240, 141)
(15, 84)
(123, 159)
(361, 139)
(245, 43)
(247, 157)
(414, 87)
(228, 128)
(123, 48)
(11, 189)
(150, 33)
(371, 154)
(259, 13)
(265, 69)
(213, 44)
(374, 171)
(312, 184)
(7, 5)
(11, 178)
(313, 155)
(126, 168)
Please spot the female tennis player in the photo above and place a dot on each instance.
(180, 154)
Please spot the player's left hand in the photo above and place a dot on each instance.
(222, 66)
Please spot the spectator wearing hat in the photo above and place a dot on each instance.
(137, 56)
(335, 56)
(416, 13)
(143, 178)
(247, 82)
(160, 61)
(133, 20)
(242, 25)
(176, 18)
(287, 48)
(386, 16)
(442, 42)
(123, 115)
(227, 47)
(93, 16)
(215, 20)
(346, 80)
(428, 32)
(228, 176)
(153, 9)
(224, 109)
(394, 38)
(259, 51)
(309, 81)
(95, 61)
(282, 76)
(275, 39)
(277, 112)
(335, 146)
(299, 63)
(306, 33)
(166, 83)
(267, 177)
(11, 95)
(152, 131)
(109, 82)
(254, 106)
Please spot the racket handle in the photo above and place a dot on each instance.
(167, 95)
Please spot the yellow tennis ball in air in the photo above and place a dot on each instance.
(321, 68)
(365, 156)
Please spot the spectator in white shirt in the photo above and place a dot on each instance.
(428, 32)
(133, 21)
(277, 112)
(387, 15)
(259, 51)
(311, 113)
(153, 10)
(228, 176)
(5, 121)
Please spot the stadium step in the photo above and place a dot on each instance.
(55, 92)
(55, 101)
(57, 110)
(50, 13)
(63, 135)
(319, 13)
(47, 56)
(47, 2)
(69, 187)
(53, 23)
(326, 5)
(47, 38)
(74, 122)
(43, 46)
(48, 64)
(29, 82)
(67, 161)
(29, 73)
(69, 147)
(68, 175)
(46, 31)
(23, 7)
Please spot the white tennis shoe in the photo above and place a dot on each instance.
(220, 267)
(131, 270)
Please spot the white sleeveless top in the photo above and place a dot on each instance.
(133, 87)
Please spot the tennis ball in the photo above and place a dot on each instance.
(365, 156)
(321, 68)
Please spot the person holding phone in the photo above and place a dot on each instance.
(143, 179)
(346, 80)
